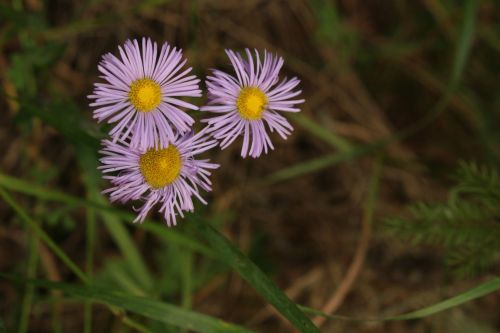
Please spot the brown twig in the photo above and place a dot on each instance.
(354, 269)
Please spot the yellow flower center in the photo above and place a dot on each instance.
(145, 94)
(160, 167)
(251, 103)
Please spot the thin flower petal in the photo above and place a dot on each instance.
(120, 164)
(149, 127)
(251, 72)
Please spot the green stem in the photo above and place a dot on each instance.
(187, 267)
(138, 326)
(30, 273)
(328, 136)
(478, 291)
(89, 266)
(43, 236)
(59, 252)
(44, 193)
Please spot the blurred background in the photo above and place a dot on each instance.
(397, 94)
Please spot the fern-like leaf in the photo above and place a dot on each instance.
(467, 226)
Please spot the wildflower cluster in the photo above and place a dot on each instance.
(150, 153)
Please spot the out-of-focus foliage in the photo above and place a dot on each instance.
(467, 226)
(370, 70)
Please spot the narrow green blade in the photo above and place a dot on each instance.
(146, 307)
(481, 290)
(466, 36)
(43, 193)
(232, 256)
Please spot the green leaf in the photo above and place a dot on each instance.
(38, 231)
(88, 161)
(232, 256)
(146, 307)
(44, 193)
(249, 271)
(27, 301)
(116, 274)
(320, 163)
(465, 41)
(481, 290)
(321, 132)
(66, 117)
(175, 237)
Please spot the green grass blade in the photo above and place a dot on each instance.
(321, 132)
(44, 193)
(232, 256)
(319, 163)
(481, 290)
(122, 278)
(304, 168)
(186, 278)
(458, 66)
(29, 290)
(149, 308)
(177, 238)
(43, 236)
(89, 262)
(464, 42)
(128, 248)
(88, 160)
(347, 152)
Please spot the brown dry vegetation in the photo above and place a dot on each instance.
(377, 70)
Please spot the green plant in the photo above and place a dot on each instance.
(467, 225)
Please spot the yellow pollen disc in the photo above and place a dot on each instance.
(145, 94)
(251, 103)
(160, 167)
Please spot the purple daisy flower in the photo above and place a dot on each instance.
(169, 176)
(141, 94)
(249, 101)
